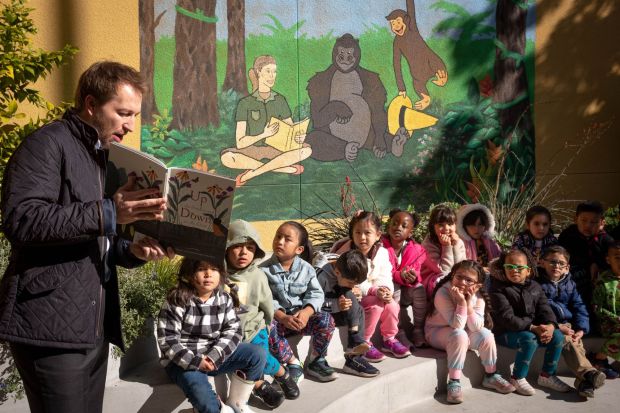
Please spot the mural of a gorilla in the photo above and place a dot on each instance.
(347, 108)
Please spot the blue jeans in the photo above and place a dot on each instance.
(248, 358)
(526, 344)
(272, 365)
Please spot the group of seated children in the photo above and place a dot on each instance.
(465, 293)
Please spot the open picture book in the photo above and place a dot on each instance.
(284, 139)
(199, 204)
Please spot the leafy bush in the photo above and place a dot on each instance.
(612, 218)
(142, 292)
(10, 381)
(20, 67)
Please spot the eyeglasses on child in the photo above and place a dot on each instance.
(517, 268)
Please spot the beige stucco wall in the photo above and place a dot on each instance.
(577, 78)
(100, 29)
(578, 87)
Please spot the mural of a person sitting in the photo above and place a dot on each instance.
(253, 116)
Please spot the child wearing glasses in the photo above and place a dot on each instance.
(572, 317)
(523, 320)
(459, 320)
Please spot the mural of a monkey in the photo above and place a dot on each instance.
(347, 107)
(423, 62)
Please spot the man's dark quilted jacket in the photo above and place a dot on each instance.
(60, 288)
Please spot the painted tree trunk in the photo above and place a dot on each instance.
(235, 65)
(511, 91)
(148, 23)
(194, 95)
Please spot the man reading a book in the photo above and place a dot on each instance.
(59, 300)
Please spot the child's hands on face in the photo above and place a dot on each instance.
(444, 239)
(457, 296)
(454, 238)
(344, 303)
(471, 290)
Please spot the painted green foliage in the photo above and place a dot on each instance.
(442, 162)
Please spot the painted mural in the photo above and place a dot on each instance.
(413, 102)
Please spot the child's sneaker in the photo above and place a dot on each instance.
(498, 383)
(584, 388)
(522, 387)
(320, 370)
(554, 383)
(597, 378)
(268, 395)
(374, 355)
(296, 371)
(455, 393)
(358, 366)
(396, 348)
(288, 385)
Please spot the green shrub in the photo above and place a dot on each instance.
(20, 67)
(142, 292)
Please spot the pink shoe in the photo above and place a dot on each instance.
(374, 355)
(396, 348)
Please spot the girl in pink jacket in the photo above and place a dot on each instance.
(407, 257)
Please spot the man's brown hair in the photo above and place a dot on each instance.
(102, 79)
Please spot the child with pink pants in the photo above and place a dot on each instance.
(377, 290)
(457, 323)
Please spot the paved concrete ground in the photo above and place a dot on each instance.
(479, 400)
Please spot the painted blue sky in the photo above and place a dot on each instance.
(321, 16)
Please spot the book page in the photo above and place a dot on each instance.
(149, 171)
(198, 214)
(199, 199)
(284, 139)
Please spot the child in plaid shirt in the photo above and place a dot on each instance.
(199, 335)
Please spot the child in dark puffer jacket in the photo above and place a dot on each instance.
(572, 317)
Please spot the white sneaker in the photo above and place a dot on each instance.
(554, 383)
(522, 386)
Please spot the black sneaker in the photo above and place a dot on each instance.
(597, 378)
(584, 388)
(320, 370)
(288, 386)
(268, 395)
(358, 366)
